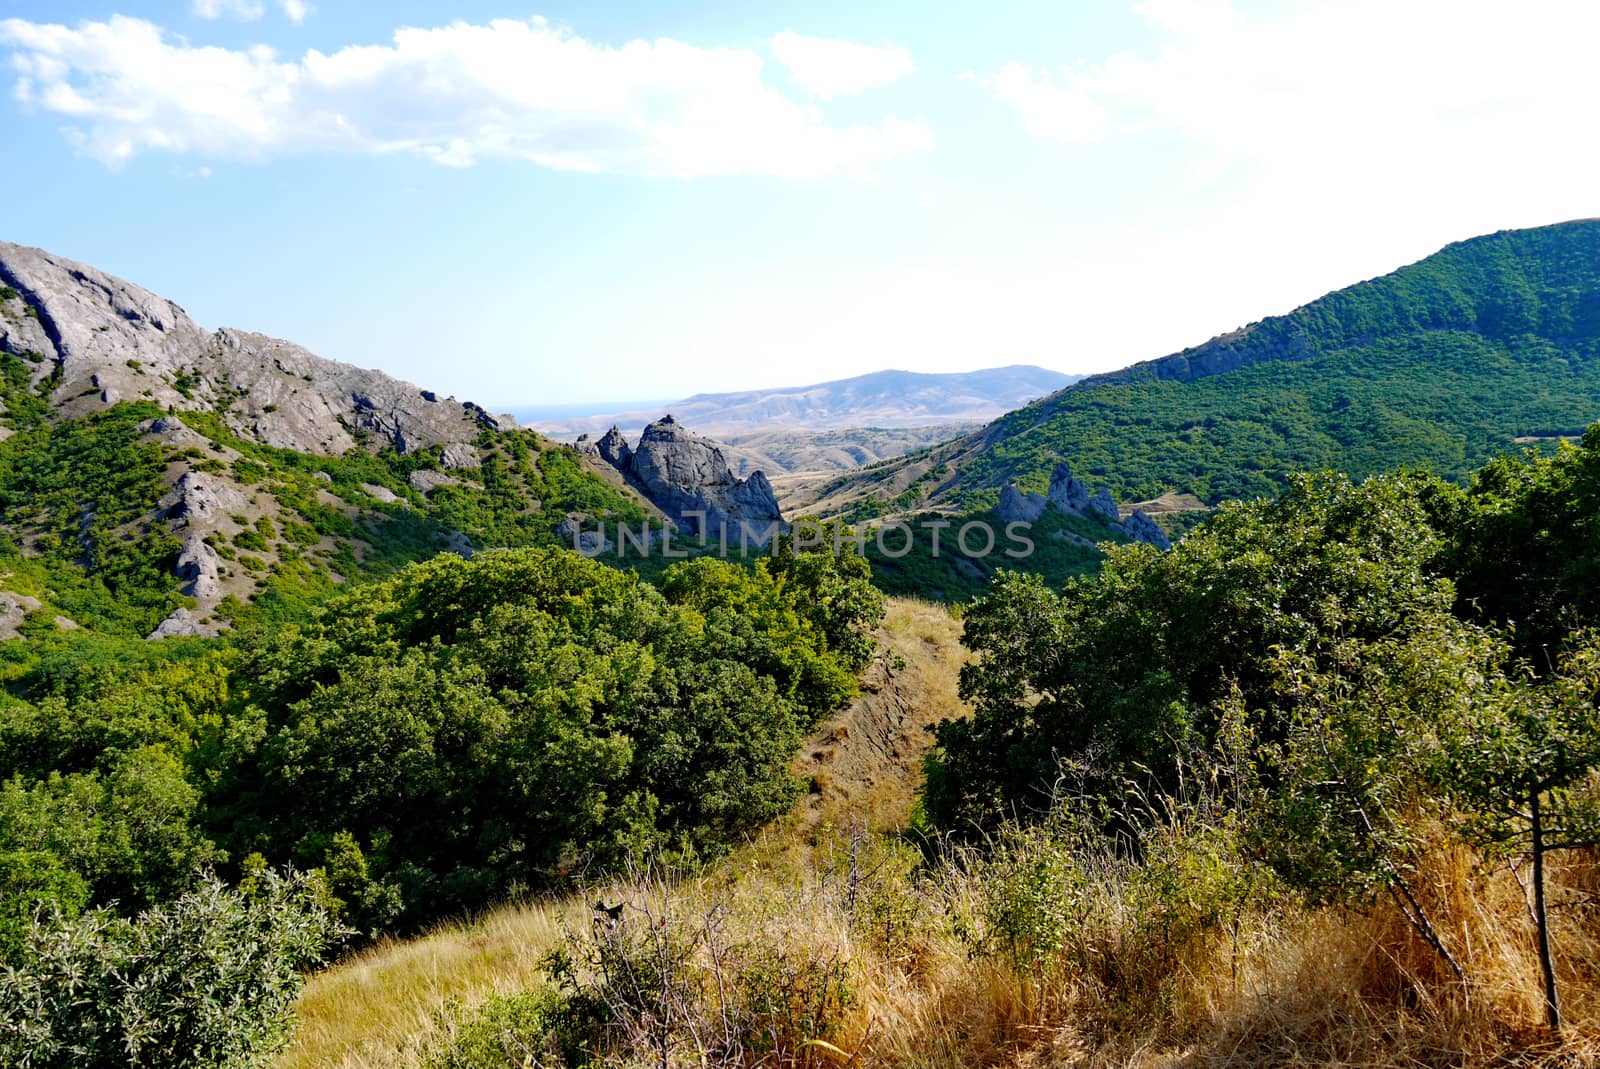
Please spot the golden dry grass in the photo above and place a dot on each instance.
(367, 1011)
(1289, 986)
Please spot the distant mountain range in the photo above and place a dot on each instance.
(1487, 346)
(881, 399)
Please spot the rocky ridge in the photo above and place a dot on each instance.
(1071, 496)
(102, 340)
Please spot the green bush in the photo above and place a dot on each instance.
(207, 980)
(502, 1032)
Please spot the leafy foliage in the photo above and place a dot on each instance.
(473, 727)
(206, 980)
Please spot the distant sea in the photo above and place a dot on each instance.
(535, 413)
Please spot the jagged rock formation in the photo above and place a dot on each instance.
(199, 567)
(1071, 496)
(1017, 507)
(688, 478)
(1103, 505)
(104, 340)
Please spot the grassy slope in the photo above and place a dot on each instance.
(1441, 364)
(1293, 986)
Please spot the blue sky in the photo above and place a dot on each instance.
(542, 204)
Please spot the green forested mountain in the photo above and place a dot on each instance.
(1489, 343)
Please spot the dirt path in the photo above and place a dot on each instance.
(865, 762)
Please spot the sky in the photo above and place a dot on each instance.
(571, 203)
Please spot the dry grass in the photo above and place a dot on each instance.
(370, 1009)
(1279, 985)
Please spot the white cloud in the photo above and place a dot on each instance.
(1410, 76)
(1062, 112)
(455, 94)
(296, 10)
(249, 10)
(1287, 152)
(828, 67)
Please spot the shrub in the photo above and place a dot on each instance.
(502, 1032)
(208, 980)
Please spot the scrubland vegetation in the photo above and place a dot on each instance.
(1269, 798)
(1317, 786)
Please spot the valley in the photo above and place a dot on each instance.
(503, 756)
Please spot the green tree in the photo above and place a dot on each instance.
(1520, 771)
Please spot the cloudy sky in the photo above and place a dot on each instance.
(603, 202)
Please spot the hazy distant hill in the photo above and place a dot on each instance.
(1484, 346)
(882, 399)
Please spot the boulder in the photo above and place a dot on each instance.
(591, 542)
(426, 481)
(181, 624)
(459, 455)
(14, 610)
(380, 493)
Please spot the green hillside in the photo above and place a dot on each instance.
(1440, 365)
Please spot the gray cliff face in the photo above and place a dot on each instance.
(106, 340)
(688, 478)
(1069, 495)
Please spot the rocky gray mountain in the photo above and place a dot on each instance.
(688, 478)
(104, 340)
(1071, 496)
(235, 518)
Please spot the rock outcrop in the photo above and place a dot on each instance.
(1018, 507)
(14, 611)
(181, 624)
(1071, 496)
(1102, 505)
(1142, 528)
(688, 478)
(107, 340)
(1066, 492)
(198, 566)
(202, 499)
